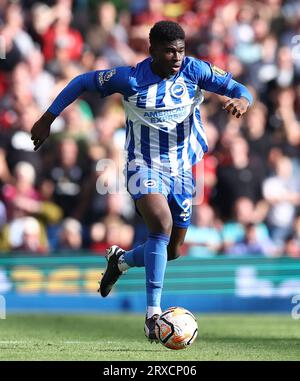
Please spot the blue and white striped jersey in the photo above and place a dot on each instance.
(163, 123)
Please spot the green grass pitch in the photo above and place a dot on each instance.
(121, 337)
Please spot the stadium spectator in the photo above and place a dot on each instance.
(203, 238)
(39, 21)
(12, 54)
(70, 235)
(291, 247)
(111, 230)
(252, 245)
(154, 11)
(97, 238)
(67, 174)
(24, 234)
(241, 178)
(205, 172)
(5, 175)
(112, 118)
(17, 144)
(292, 242)
(78, 123)
(22, 199)
(62, 35)
(42, 81)
(17, 96)
(282, 192)
(20, 196)
(31, 238)
(106, 27)
(3, 217)
(259, 139)
(245, 213)
(14, 22)
(288, 123)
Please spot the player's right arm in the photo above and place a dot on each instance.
(106, 82)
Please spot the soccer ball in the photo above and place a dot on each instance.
(176, 328)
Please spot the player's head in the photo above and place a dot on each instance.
(167, 46)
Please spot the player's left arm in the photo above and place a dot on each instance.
(216, 80)
(241, 98)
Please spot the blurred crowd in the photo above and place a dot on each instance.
(50, 199)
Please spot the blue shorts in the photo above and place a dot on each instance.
(178, 191)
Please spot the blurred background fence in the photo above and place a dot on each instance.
(69, 283)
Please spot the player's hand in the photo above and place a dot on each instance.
(237, 106)
(41, 129)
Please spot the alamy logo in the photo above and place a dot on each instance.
(113, 180)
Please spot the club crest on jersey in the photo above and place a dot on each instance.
(150, 183)
(218, 71)
(178, 90)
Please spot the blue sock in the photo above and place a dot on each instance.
(156, 256)
(135, 257)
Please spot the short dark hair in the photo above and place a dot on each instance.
(166, 31)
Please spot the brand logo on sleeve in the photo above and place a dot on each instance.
(107, 76)
(218, 71)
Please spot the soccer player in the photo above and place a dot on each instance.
(164, 139)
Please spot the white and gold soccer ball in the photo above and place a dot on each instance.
(176, 328)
